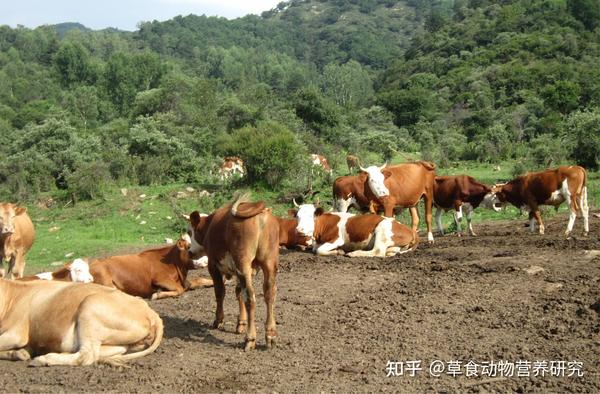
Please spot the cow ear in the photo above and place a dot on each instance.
(195, 218)
(181, 244)
(292, 212)
(386, 173)
(319, 211)
(20, 210)
(362, 176)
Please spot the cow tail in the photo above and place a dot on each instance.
(158, 335)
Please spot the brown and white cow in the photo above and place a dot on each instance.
(77, 271)
(62, 323)
(549, 187)
(352, 162)
(458, 191)
(238, 238)
(288, 233)
(349, 190)
(402, 185)
(155, 273)
(354, 235)
(231, 166)
(16, 237)
(321, 162)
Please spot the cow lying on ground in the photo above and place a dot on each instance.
(402, 185)
(77, 271)
(288, 233)
(16, 237)
(354, 235)
(238, 238)
(62, 323)
(549, 187)
(456, 192)
(155, 273)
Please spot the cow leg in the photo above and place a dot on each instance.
(15, 355)
(572, 216)
(270, 293)
(428, 217)
(538, 217)
(438, 220)
(249, 296)
(414, 218)
(58, 359)
(469, 218)
(458, 214)
(585, 211)
(242, 324)
(531, 222)
(11, 346)
(173, 289)
(199, 283)
(329, 249)
(19, 263)
(219, 287)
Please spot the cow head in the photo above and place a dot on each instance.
(306, 214)
(80, 271)
(196, 230)
(376, 177)
(8, 213)
(184, 244)
(496, 198)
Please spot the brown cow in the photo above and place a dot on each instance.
(155, 273)
(321, 162)
(74, 324)
(356, 235)
(238, 238)
(549, 187)
(349, 191)
(288, 233)
(16, 237)
(456, 192)
(403, 185)
(77, 271)
(352, 162)
(231, 165)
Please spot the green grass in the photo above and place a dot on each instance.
(123, 222)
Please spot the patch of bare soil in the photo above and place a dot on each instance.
(341, 320)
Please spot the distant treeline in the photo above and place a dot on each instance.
(455, 80)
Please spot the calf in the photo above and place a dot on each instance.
(155, 273)
(74, 324)
(231, 165)
(16, 237)
(549, 187)
(321, 162)
(403, 185)
(349, 191)
(238, 238)
(362, 235)
(454, 192)
(77, 271)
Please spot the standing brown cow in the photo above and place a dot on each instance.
(238, 238)
(16, 237)
(352, 162)
(403, 185)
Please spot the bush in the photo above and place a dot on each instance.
(89, 181)
(582, 128)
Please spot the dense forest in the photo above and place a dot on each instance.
(447, 80)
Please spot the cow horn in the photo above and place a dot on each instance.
(383, 166)
(295, 203)
(362, 168)
(186, 216)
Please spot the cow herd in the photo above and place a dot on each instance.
(57, 322)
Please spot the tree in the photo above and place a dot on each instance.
(72, 63)
(582, 127)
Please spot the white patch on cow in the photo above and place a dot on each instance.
(376, 182)
(491, 201)
(80, 271)
(306, 220)
(328, 247)
(344, 204)
(383, 237)
(195, 247)
(316, 161)
(430, 237)
(585, 209)
(459, 213)
(186, 237)
(227, 265)
(202, 262)
(45, 275)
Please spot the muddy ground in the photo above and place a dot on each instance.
(340, 320)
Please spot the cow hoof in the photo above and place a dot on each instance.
(218, 325)
(21, 355)
(241, 327)
(38, 362)
(250, 345)
(154, 296)
(271, 341)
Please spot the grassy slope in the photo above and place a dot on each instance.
(104, 227)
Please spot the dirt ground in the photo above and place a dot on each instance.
(341, 320)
